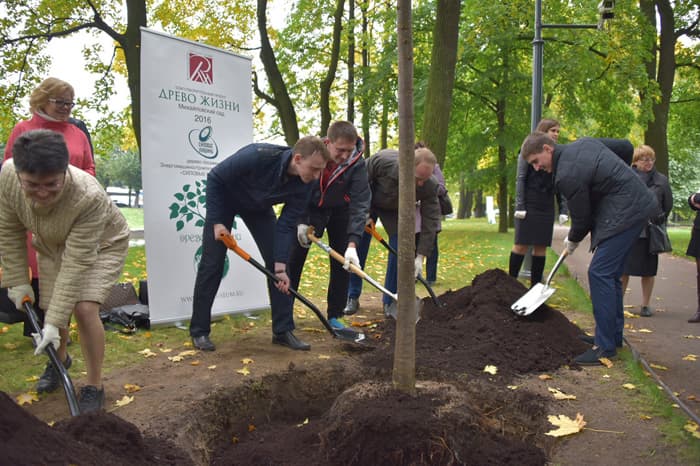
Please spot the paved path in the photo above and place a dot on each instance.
(674, 300)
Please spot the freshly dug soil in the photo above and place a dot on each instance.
(345, 411)
(475, 327)
(90, 439)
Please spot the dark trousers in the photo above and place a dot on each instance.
(211, 267)
(431, 261)
(336, 222)
(604, 274)
(391, 276)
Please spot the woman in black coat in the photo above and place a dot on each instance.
(640, 263)
(534, 212)
(694, 247)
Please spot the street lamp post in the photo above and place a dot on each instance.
(605, 10)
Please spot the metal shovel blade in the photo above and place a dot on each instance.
(533, 299)
(393, 311)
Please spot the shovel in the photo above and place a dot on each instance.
(73, 405)
(347, 334)
(538, 294)
(391, 309)
(373, 231)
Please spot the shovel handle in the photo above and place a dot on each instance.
(68, 388)
(559, 261)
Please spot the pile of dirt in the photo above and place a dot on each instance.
(371, 423)
(475, 327)
(95, 438)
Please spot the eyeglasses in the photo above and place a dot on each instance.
(51, 187)
(62, 103)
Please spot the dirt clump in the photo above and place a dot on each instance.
(475, 327)
(95, 438)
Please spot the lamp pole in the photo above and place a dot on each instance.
(537, 60)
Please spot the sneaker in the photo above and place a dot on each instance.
(587, 339)
(51, 379)
(592, 356)
(646, 311)
(91, 399)
(352, 306)
(336, 323)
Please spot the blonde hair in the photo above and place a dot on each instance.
(425, 155)
(49, 88)
(643, 151)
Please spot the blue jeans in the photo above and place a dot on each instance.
(604, 274)
(390, 279)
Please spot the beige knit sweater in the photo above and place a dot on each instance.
(81, 240)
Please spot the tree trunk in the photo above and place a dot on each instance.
(284, 105)
(404, 373)
(661, 68)
(479, 207)
(351, 62)
(438, 96)
(136, 17)
(365, 102)
(327, 82)
(502, 170)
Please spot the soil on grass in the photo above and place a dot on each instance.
(335, 404)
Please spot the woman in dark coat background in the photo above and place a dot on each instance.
(534, 212)
(694, 248)
(640, 263)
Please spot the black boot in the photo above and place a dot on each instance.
(514, 264)
(537, 269)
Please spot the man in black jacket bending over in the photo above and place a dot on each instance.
(607, 199)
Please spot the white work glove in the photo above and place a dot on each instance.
(302, 237)
(351, 257)
(520, 214)
(48, 335)
(570, 245)
(563, 218)
(418, 264)
(17, 294)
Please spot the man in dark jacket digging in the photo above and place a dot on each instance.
(248, 184)
(607, 199)
(383, 171)
(340, 203)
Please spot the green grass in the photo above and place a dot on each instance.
(680, 237)
(134, 217)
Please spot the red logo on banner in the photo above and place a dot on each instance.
(201, 68)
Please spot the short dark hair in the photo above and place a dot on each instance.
(40, 152)
(309, 145)
(342, 130)
(534, 144)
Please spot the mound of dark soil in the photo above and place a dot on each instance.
(371, 424)
(475, 327)
(96, 438)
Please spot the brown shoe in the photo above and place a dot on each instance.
(696, 318)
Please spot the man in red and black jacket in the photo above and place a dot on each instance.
(339, 203)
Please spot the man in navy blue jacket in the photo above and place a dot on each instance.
(248, 184)
(607, 199)
(340, 203)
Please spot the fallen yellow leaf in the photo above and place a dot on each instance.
(125, 400)
(187, 344)
(195, 362)
(251, 427)
(131, 388)
(243, 371)
(9, 346)
(165, 350)
(491, 369)
(658, 366)
(306, 421)
(234, 440)
(26, 398)
(566, 425)
(644, 417)
(147, 353)
(513, 387)
(629, 315)
(645, 330)
(559, 395)
(323, 356)
(247, 361)
(629, 386)
(691, 397)
(33, 378)
(176, 358)
(606, 362)
(4, 329)
(212, 367)
(545, 377)
(690, 357)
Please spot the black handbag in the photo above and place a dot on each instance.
(445, 204)
(658, 239)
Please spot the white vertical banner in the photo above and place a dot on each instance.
(196, 110)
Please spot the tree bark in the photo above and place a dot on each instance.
(502, 170)
(131, 46)
(404, 373)
(438, 97)
(327, 82)
(351, 62)
(284, 105)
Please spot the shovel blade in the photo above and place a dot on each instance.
(532, 300)
(392, 309)
(349, 334)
